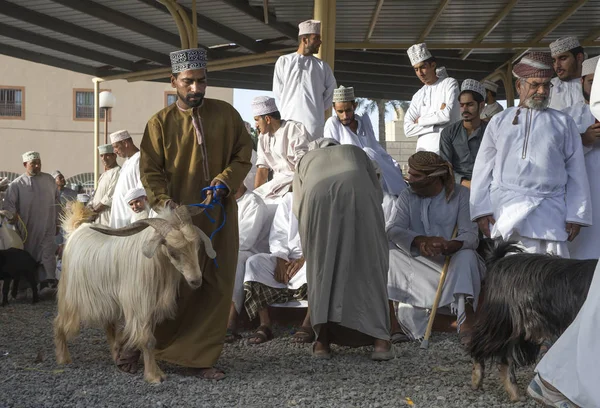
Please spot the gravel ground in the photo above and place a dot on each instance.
(275, 374)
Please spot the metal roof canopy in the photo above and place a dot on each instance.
(105, 38)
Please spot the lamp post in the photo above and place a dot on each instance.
(107, 101)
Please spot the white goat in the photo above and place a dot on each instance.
(9, 237)
(126, 279)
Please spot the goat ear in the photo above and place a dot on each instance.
(151, 246)
(207, 244)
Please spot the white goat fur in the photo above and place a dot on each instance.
(9, 237)
(110, 282)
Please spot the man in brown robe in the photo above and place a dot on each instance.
(189, 145)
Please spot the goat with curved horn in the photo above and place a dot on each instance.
(161, 226)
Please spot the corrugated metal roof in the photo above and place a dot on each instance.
(105, 40)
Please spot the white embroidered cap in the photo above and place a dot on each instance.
(563, 44)
(184, 60)
(492, 86)
(55, 173)
(343, 94)
(119, 135)
(134, 193)
(589, 66)
(106, 149)
(418, 53)
(83, 198)
(441, 73)
(29, 156)
(263, 105)
(309, 27)
(473, 85)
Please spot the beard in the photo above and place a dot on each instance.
(142, 215)
(187, 99)
(537, 105)
(586, 96)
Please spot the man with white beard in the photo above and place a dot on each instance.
(529, 180)
(137, 201)
(586, 247)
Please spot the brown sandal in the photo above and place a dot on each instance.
(304, 335)
(261, 335)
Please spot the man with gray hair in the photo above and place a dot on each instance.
(529, 180)
(567, 59)
(103, 196)
(492, 106)
(302, 83)
(34, 198)
(348, 127)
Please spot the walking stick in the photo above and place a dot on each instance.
(438, 296)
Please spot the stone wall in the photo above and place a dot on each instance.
(401, 151)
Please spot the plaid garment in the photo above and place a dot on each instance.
(259, 296)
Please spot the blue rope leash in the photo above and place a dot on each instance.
(214, 201)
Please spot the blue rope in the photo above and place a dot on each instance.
(214, 201)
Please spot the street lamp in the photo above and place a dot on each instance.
(107, 101)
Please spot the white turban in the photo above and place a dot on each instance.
(29, 156)
(119, 135)
(134, 193)
(309, 27)
(263, 105)
(490, 85)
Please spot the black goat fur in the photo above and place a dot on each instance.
(528, 298)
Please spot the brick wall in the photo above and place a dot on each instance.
(400, 151)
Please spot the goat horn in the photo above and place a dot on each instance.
(183, 214)
(121, 232)
(161, 226)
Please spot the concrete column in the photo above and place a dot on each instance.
(325, 12)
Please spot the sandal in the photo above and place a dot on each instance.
(304, 335)
(399, 337)
(127, 360)
(231, 336)
(321, 354)
(210, 374)
(261, 335)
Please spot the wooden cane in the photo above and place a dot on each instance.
(438, 296)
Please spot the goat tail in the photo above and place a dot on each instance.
(75, 213)
(493, 250)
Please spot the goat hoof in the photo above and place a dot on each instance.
(155, 379)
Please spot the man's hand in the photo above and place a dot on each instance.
(293, 267)
(450, 247)
(429, 246)
(572, 230)
(443, 106)
(281, 271)
(417, 120)
(591, 135)
(484, 224)
(100, 208)
(466, 183)
(221, 192)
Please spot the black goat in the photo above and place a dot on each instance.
(14, 265)
(528, 298)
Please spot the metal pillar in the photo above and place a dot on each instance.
(325, 12)
(509, 87)
(96, 129)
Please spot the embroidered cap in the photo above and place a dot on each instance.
(106, 149)
(119, 135)
(184, 60)
(309, 27)
(263, 105)
(563, 44)
(29, 156)
(55, 173)
(441, 73)
(418, 53)
(492, 86)
(589, 66)
(473, 85)
(343, 94)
